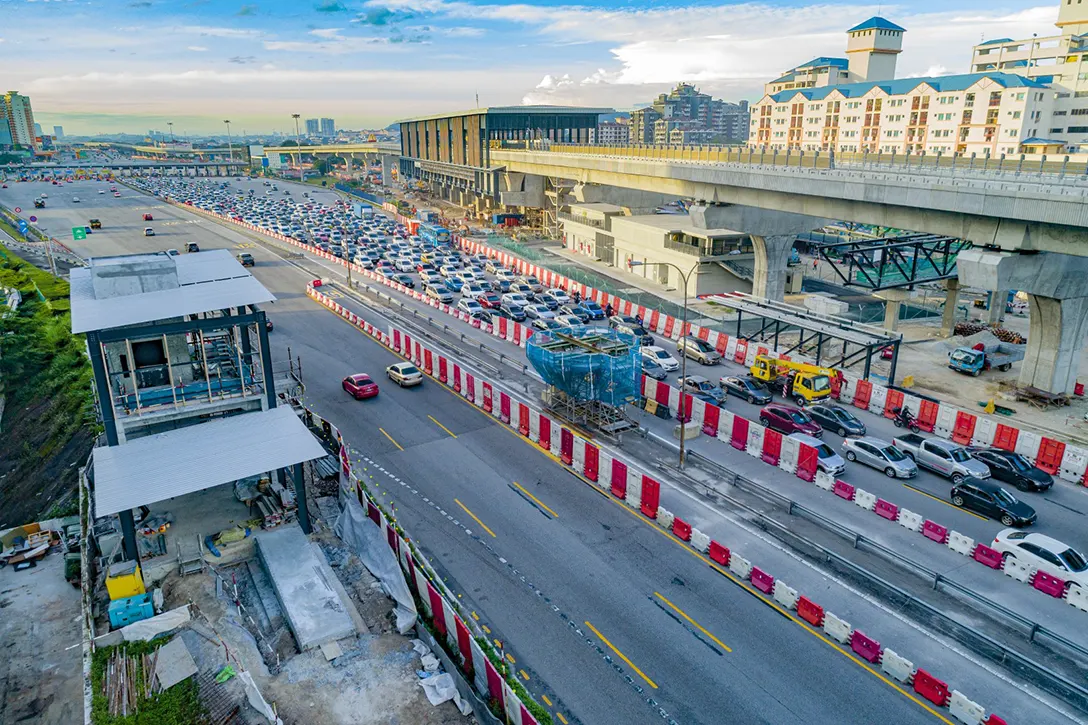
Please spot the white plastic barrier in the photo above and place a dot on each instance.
(1027, 444)
(1074, 462)
(604, 471)
(785, 595)
(864, 499)
(634, 487)
(967, 712)
(910, 520)
(1017, 570)
(725, 425)
(849, 387)
(896, 667)
(578, 452)
(1078, 597)
(755, 439)
(961, 544)
(787, 459)
(877, 399)
(698, 411)
(740, 566)
(985, 430)
(674, 400)
(665, 518)
(824, 480)
(837, 629)
(700, 541)
(730, 348)
(649, 387)
(946, 420)
(534, 425)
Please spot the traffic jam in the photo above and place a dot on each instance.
(979, 480)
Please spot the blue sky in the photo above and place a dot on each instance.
(105, 65)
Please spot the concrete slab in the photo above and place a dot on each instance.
(173, 664)
(303, 582)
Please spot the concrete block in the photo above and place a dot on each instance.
(824, 480)
(700, 541)
(692, 430)
(910, 520)
(896, 667)
(665, 518)
(837, 629)
(961, 544)
(740, 566)
(1017, 570)
(962, 709)
(1078, 597)
(864, 499)
(785, 594)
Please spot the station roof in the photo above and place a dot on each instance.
(186, 460)
(876, 23)
(516, 110)
(139, 288)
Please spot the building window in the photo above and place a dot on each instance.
(1016, 114)
(1077, 129)
(1057, 130)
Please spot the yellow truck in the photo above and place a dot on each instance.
(807, 383)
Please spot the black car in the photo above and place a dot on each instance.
(837, 419)
(192, 247)
(246, 259)
(651, 368)
(515, 312)
(748, 388)
(405, 280)
(703, 389)
(1014, 468)
(990, 499)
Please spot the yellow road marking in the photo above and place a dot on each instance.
(535, 499)
(622, 656)
(485, 628)
(511, 658)
(522, 673)
(481, 523)
(692, 622)
(442, 426)
(542, 697)
(390, 438)
(561, 718)
(949, 504)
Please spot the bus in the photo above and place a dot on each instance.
(434, 235)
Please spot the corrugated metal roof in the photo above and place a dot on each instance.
(510, 110)
(876, 23)
(191, 459)
(902, 86)
(211, 280)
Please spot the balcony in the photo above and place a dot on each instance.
(597, 223)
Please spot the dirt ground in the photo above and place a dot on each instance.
(41, 670)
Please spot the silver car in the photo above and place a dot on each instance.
(827, 460)
(881, 455)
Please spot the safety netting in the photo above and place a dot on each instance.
(588, 363)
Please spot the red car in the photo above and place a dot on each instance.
(490, 300)
(360, 386)
(148, 218)
(787, 419)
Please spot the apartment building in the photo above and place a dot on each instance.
(19, 117)
(698, 117)
(616, 133)
(1060, 61)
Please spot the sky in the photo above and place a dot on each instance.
(106, 66)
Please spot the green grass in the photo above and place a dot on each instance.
(180, 705)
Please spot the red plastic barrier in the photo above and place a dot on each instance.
(407, 349)
(995, 720)
(1005, 437)
(931, 688)
(457, 377)
(1048, 584)
(722, 343)
(927, 415)
(762, 350)
(464, 642)
(887, 509)
(670, 322)
(866, 647)
(772, 447)
(373, 513)
(523, 419)
(592, 460)
(392, 539)
(761, 580)
(836, 385)
(470, 388)
(436, 608)
(661, 395)
(704, 333)
(935, 532)
(985, 555)
(527, 717)
(892, 402)
(862, 394)
(710, 420)
(651, 496)
(741, 352)
(683, 412)
(396, 340)
(807, 463)
(739, 440)
(428, 362)
(619, 478)
(545, 438)
(494, 683)
(681, 528)
(411, 572)
(810, 611)
(443, 370)
(1049, 457)
(566, 446)
(504, 327)
(844, 490)
(504, 407)
(517, 334)
(719, 553)
(489, 399)
(964, 428)
(655, 316)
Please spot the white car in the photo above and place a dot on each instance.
(506, 274)
(661, 357)
(404, 374)
(447, 270)
(1041, 552)
(515, 299)
(473, 291)
(559, 295)
(568, 320)
(469, 306)
(539, 312)
(405, 265)
(75, 199)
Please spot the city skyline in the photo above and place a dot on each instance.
(367, 64)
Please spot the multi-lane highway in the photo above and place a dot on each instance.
(606, 620)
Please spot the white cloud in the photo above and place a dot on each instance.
(217, 32)
(329, 33)
(197, 48)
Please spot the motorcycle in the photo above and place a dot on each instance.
(905, 419)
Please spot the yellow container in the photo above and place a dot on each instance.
(124, 580)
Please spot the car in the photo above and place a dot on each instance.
(631, 326)
(538, 312)
(533, 283)
(501, 286)
(96, 224)
(1043, 553)
(149, 232)
(490, 300)
(442, 295)
(881, 455)
(173, 252)
(469, 306)
(148, 218)
(663, 358)
(446, 270)
(514, 312)
(405, 280)
(192, 247)
(575, 311)
(837, 419)
(569, 320)
(541, 323)
(524, 289)
(652, 368)
(560, 295)
(698, 384)
(360, 386)
(511, 299)
(473, 291)
(746, 387)
(596, 312)
(75, 199)
(945, 458)
(699, 350)
(1013, 468)
(492, 266)
(506, 275)
(549, 301)
(990, 499)
(404, 265)
(247, 259)
(827, 460)
(100, 191)
(787, 419)
(116, 195)
(404, 374)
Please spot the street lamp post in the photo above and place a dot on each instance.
(230, 143)
(298, 148)
(171, 125)
(683, 351)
